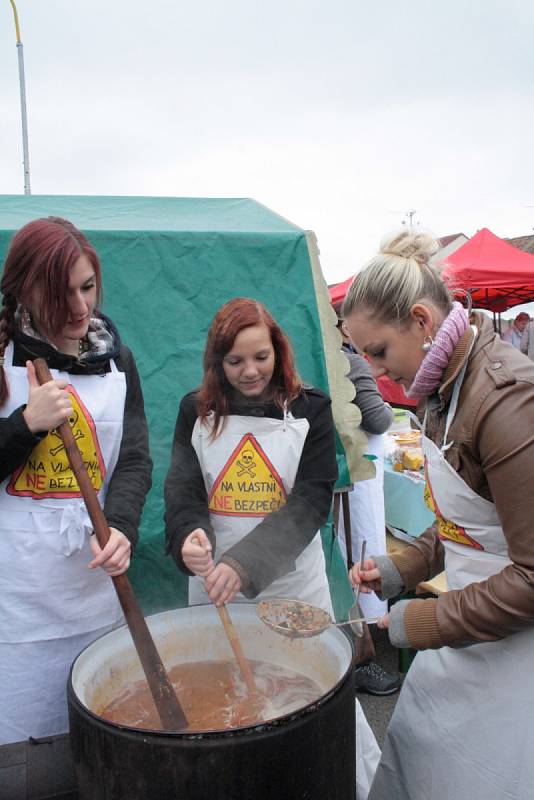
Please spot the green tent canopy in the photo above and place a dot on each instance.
(168, 265)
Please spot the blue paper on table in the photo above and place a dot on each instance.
(405, 506)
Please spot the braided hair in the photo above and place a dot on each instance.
(7, 328)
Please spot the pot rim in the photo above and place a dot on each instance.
(244, 730)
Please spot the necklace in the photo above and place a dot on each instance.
(80, 347)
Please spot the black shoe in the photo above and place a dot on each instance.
(374, 679)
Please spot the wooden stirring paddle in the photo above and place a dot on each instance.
(235, 644)
(233, 638)
(170, 712)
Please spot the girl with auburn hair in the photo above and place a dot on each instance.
(228, 322)
(253, 469)
(252, 477)
(462, 727)
(51, 604)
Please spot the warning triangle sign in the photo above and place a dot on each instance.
(447, 529)
(248, 484)
(47, 472)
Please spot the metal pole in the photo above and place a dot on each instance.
(410, 215)
(23, 114)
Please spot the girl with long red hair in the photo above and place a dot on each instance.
(56, 595)
(253, 468)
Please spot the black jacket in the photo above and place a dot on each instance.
(131, 477)
(271, 548)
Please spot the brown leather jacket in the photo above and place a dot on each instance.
(493, 451)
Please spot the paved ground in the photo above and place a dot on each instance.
(378, 710)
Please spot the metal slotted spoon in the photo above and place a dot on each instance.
(297, 619)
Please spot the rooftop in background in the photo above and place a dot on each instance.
(447, 246)
(443, 241)
(525, 243)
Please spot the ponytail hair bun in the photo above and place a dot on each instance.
(399, 276)
(419, 246)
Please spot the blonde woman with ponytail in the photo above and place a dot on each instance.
(55, 593)
(463, 727)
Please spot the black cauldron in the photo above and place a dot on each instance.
(308, 753)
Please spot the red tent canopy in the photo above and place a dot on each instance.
(339, 290)
(496, 275)
(394, 394)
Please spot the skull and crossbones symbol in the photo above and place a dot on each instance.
(246, 463)
(78, 434)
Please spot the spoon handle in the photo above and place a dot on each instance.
(359, 619)
(362, 558)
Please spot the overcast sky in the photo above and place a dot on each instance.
(341, 115)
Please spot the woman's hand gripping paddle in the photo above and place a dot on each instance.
(168, 707)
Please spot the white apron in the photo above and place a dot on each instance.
(51, 604)
(368, 521)
(249, 471)
(463, 727)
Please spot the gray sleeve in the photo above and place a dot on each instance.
(396, 630)
(392, 583)
(525, 339)
(377, 415)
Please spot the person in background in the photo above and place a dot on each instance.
(514, 333)
(366, 502)
(462, 726)
(251, 479)
(527, 340)
(56, 594)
